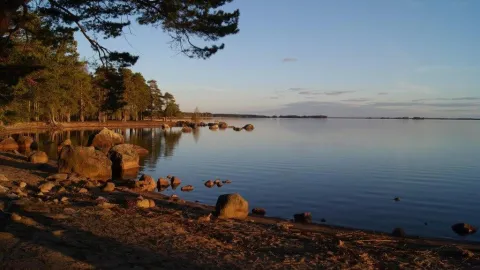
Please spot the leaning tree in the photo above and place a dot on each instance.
(186, 21)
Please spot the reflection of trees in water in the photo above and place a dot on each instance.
(158, 142)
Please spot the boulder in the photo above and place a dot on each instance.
(219, 184)
(259, 211)
(175, 181)
(109, 187)
(303, 217)
(248, 127)
(214, 127)
(140, 150)
(38, 157)
(8, 144)
(123, 157)
(216, 181)
(3, 178)
(145, 203)
(202, 124)
(464, 229)
(145, 183)
(187, 129)
(105, 139)
(222, 125)
(165, 126)
(211, 124)
(237, 129)
(24, 143)
(85, 161)
(62, 144)
(231, 206)
(187, 188)
(209, 183)
(162, 183)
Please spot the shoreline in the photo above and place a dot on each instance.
(183, 220)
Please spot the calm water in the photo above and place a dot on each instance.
(345, 171)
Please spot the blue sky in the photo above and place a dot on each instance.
(340, 58)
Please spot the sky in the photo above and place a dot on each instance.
(337, 58)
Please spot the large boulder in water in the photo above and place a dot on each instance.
(231, 206)
(8, 144)
(85, 161)
(24, 143)
(105, 139)
(38, 157)
(123, 157)
(213, 127)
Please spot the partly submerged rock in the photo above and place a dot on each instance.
(209, 183)
(105, 139)
(162, 183)
(140, 150)
(259, 211)
(464, 229)
(124, 158)
(145, 183)
(231, 206)
(187, 188)
(38, 157)
(248, 127)
(8, 143)
(303, 217)
(175, 181)
(398, 232)
(85, 161)
(145, 203)
(222, 125)
(213, 127)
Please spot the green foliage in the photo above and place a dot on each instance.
(187, 22)
(172, 109)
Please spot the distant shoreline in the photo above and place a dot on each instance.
(336, 117)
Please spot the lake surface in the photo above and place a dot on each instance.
(344, 171)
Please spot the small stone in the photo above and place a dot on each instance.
(46, 187)
(3, 178)
(40, 193)
(217, 181)
(106, 205)
(61, 190)
(22, 185)
(15, 217)
(187, 188)
(109, 187)
(398, 232)
(83, 190)
(69, 211)
(341, 243)
(55, 200)
(205, 218)
(259, 211)
(3, 189)
(303, 217)
(162, 183)
(64, 199)
(58, 177)
(169, 176)
(12, 196)
(226, 181)
(58, 233)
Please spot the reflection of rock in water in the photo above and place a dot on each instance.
(174, 186)
(196, 134)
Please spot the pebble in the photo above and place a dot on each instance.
(64, 199)
(15, 217)
(83, 190)
(23, 185)
(55, 200)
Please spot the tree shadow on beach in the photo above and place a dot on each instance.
(21, 162)
(39, 235)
